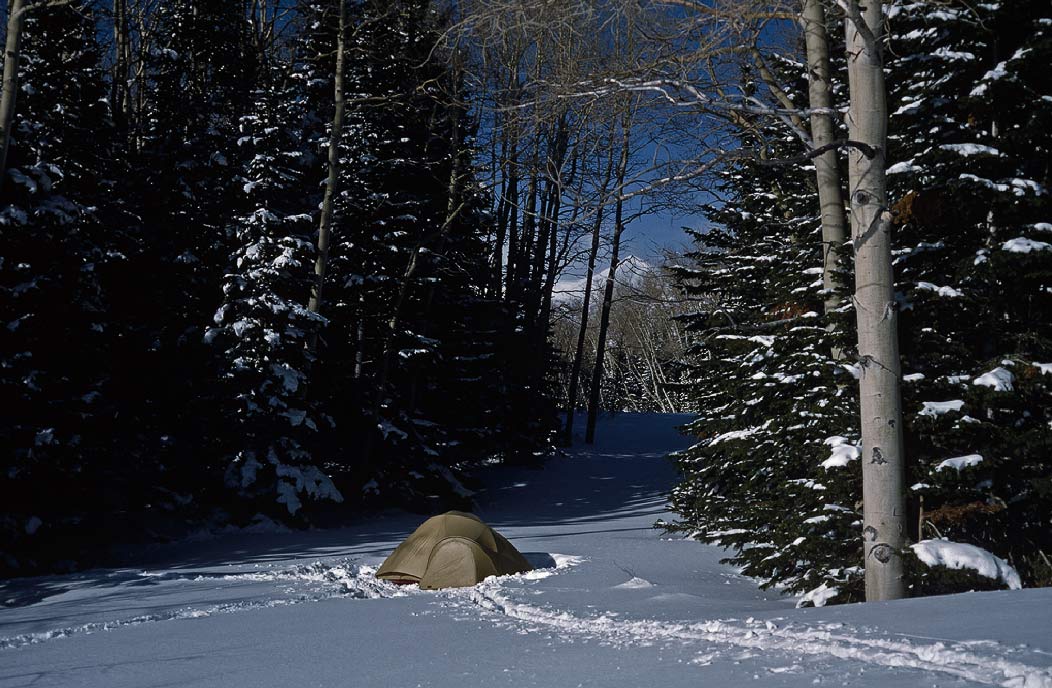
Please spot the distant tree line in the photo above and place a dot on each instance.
(645, 370)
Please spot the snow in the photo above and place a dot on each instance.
(290, 377)
(735, 435)
(1045, 368)
(635, 583)
(613, 602)
(33, 525)
(902, 167)
(969, 149)
(948, 292)
(1018, 187)
(44, 437)
(959, 555)
(818, 597)
(938, 408)
(959, 462)
(842, 453)
(630, 272)
(1024, 245)
(912, 105)
(953, 55)
(999, 379)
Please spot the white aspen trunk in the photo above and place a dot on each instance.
(827, 170)
(325, 223)
(883, 474)
(15, 18)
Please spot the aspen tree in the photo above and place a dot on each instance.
(325, 223)
(827, 171)
(883, 469)
(15, 19)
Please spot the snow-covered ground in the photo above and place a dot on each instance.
(614, 603)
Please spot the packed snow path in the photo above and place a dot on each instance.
(614, 603)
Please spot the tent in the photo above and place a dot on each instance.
(452, 550)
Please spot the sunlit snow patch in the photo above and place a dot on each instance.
(842, 452)
(1024, 245)
(565, 561)
(959, 462)
(999, 379)
(960, 555)
(818, 597)
(635, 583)
(948, 292)
(937, 408)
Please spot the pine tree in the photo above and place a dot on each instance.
(972, 268)
(408, 327)
(972, 144)
(197, 79)
(777, 409)
(263, 327)
(61, 241)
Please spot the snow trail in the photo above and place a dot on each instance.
(337, 579)
(315, 614)
(835, 640)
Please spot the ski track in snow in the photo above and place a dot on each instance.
(492, 598)
(338, 579)
(835, 640)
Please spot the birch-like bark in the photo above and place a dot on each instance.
(15, 19)
(883, 475)
(608, 295)
(497, 261)
(321, 264)
(512, 225)
(827, 169)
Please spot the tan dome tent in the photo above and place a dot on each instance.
(453, 550)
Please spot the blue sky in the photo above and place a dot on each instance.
(649, 235)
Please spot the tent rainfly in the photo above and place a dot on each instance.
(452, 550)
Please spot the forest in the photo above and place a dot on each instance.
(295, 261)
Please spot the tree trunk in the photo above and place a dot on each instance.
(827, 169)
(883, 483)
(582, 332)
(325, 223)
(15, 19)
(497, 264)
(119, 79)
(551, 268)
(608, 296)
(523, 256)
(512, 225)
